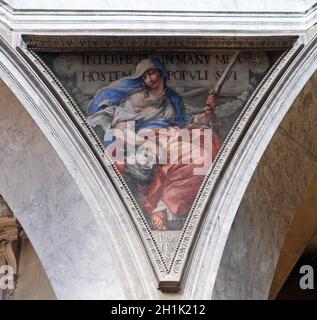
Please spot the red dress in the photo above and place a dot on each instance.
(177, 184)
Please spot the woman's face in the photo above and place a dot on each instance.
(152, 79)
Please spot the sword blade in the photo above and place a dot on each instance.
(217, 87)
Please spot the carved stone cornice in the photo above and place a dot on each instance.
(143, 43)
(148, 17)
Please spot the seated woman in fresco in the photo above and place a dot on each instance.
(168, 190)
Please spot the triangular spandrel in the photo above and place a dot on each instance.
(161, 122)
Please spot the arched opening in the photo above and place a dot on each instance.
(22, 274)
(299, 249)
(51, 209)
(276, 218)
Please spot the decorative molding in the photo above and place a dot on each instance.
(214, 18)
(125, 194)
(244, 120)
(123, 245)
(272, 6)
(124, 43)
(170, 276)
(235, 180)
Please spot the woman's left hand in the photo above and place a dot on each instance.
(205, 117)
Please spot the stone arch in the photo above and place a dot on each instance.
(52, 185)
(205, 279)
(276, 217)
(50, 208)
(299, 244)
(99, 205)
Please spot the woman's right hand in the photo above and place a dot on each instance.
(159, 220)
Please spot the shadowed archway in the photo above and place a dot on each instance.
(277, 216)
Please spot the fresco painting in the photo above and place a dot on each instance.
(162, 118)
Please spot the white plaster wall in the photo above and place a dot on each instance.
(270, 203)
(168, 5)
(228, 195)
(213, 236)
(51, 209)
